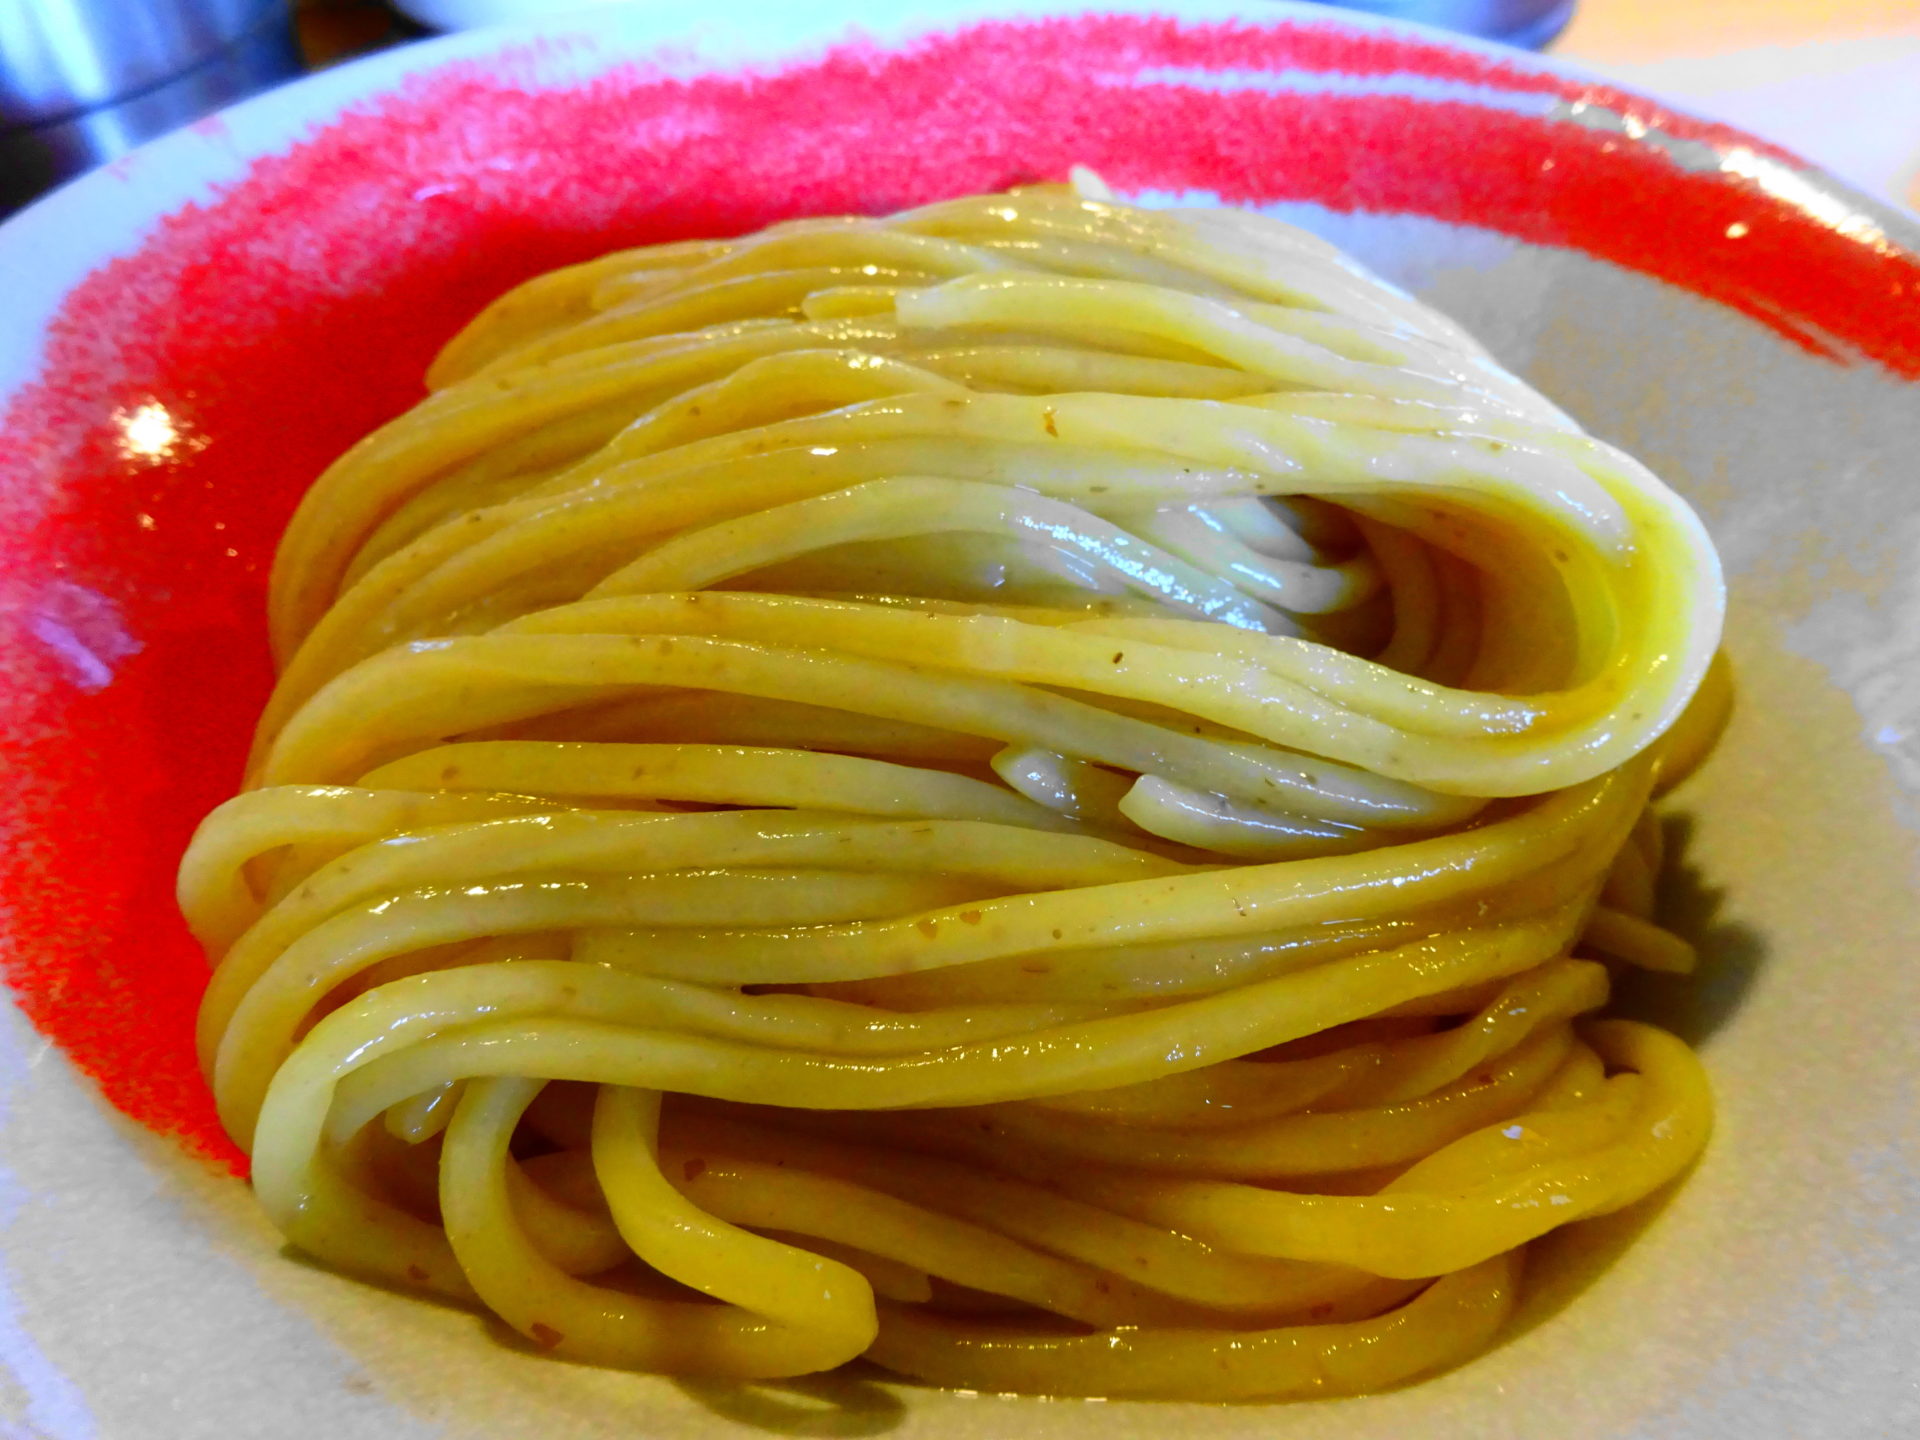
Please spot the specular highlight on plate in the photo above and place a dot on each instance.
(1044, 792)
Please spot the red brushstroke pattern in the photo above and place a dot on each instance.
(298, 309)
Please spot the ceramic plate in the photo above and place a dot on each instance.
(188, 336)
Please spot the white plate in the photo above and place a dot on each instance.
(1748, 328)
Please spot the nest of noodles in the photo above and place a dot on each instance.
(1035, 790)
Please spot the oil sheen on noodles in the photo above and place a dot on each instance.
(1043, 792)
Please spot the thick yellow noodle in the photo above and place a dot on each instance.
(1039, 791)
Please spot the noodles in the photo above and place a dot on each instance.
(1038, 791)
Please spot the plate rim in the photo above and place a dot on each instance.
(118, 205)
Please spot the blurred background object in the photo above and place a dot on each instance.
(1527, 23)
(83, 81)
(335, 30)
(1530, 23)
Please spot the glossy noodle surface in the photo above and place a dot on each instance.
(1044, 792)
